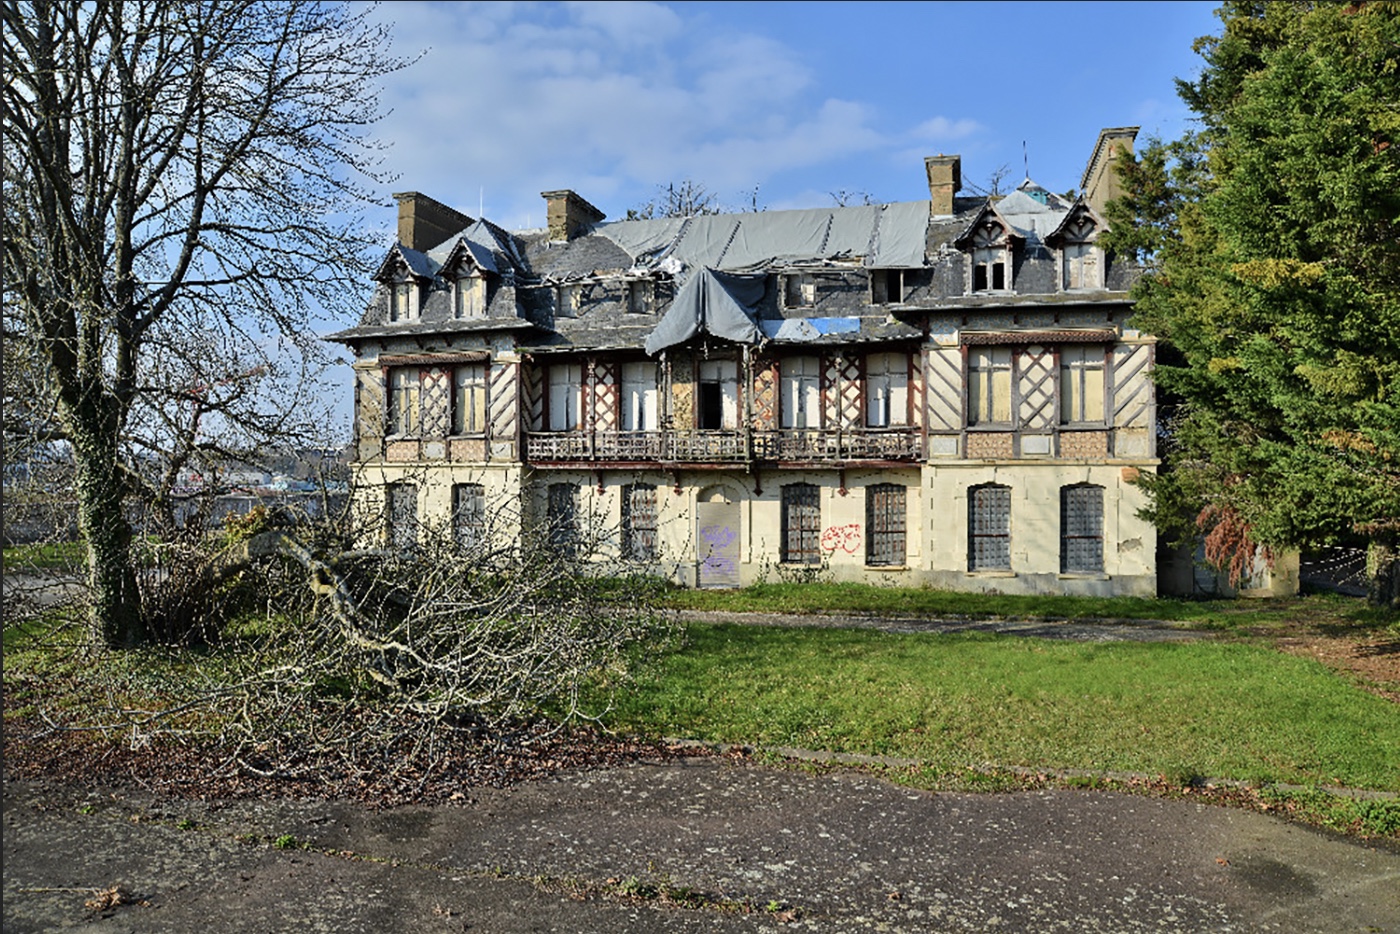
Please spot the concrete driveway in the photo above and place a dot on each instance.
(592, 851)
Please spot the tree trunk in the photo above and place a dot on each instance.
(1383, 569)
(116, 618)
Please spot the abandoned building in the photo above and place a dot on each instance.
(945, 392)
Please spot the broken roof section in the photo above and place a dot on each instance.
(880, 235)
(711, 302)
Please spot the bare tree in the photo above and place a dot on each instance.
(180, 187)
(992, 188)
(845, 198)
(679, 199)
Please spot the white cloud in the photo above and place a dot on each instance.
(518, 98)
(944, 129)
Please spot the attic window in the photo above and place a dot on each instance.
(639, 297)
(403, 305)
(886, 286)
(470, 296)
(799, 291)
(570, 299)
(989, 270)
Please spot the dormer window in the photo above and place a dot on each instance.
(799, 291)
(1080, 258)
(990, 244)
(570, 298)
(887, 286)
(469, 295)
(640, 297)
(403, 305)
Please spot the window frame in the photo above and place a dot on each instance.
(989, 523)
(895, 382)
(639, 398)
(469, 296)
(1081, 522)
(460, 423)
(404, 300)
(403, 410)
(562, 512)
(640, 522)
(975, 392)
(800, 393)
(569, 388)
(801, 523)
(723, 375)
(799, 290)
(401, 516)
(886, 525)
(469, 517)
(1091, 359)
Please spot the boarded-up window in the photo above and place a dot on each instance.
(565, 396)
(639, 522)
(404, 409)
(469, 400)
(1081, 383)
(469, 514)
(639, 397)
(403, 303)
(1081, 266)
(886, 389)
(717, 405)
(989, 386)
(563, 517)
(470, 296)
(989, 528)
(402, 516)
(801, 524)
(801, 401)
(884, 525)
(1081, 529)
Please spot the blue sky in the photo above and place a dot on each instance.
(796, 99)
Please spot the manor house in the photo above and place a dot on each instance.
(946, 392)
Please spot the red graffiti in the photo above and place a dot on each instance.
(845, 537)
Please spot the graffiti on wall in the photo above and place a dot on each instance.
(721, 552)
(844, 537)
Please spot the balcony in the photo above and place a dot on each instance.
(723, 447)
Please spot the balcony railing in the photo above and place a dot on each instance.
(709, 447)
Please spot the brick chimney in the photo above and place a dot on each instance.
(569, 214)
(1099, 184)
(424, 222)
(944, 181)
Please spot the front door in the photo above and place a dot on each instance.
(717, 543)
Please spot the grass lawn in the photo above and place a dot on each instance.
(1212, 709)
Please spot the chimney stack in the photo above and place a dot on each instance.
(569, 214)
(1099, 184)
(944, 181)
(424, 222)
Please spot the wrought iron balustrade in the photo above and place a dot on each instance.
(723, 446)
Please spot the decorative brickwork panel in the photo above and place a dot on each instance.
(1084, 444)
(504, 393)
(467, 450)
(945, 389)
(401, 451)
(765, 395)
(532, 378)
(437, 402)
(1037, 387)
(989, 444)
(605, 396)
(1132, 389)
(369, 413)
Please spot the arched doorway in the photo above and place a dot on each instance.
(717, 539)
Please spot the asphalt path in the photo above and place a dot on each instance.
(751, 848)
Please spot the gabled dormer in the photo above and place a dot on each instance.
(991, 244)
(470, 270)
(405, 274)
(1078, 257)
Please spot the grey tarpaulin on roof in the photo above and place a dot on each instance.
(887, 235)
(719, 303)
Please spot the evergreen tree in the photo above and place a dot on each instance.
(1274, 235)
